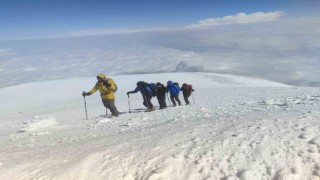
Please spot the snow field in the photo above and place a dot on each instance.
(239, 128)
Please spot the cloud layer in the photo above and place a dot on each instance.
(239, 18)
(285, 50)
(5, 52)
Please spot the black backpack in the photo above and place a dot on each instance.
(153, 88)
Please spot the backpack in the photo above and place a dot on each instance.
(115, 88)
(153, 88)
(115, 85)
(189, 88)
(176, 88)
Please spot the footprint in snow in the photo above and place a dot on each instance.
(306, 136)
(315, 141)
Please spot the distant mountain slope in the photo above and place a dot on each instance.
(235, 128)
(55, 94)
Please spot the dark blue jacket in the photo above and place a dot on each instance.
(173, 89)
(144, 90)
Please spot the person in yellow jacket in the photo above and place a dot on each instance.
(107, 87)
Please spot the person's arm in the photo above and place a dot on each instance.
(134, 91)
(94, 89)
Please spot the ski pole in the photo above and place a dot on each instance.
(85, 105)
(192, 98)
(129, 103)
(168, 99)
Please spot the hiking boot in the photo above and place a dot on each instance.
(114, 115)
(150, 109)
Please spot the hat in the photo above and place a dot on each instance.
(102, 76)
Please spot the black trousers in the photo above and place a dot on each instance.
(162, 101)
(185, 97)
(147, 101)
(174, 99)
(109, 104)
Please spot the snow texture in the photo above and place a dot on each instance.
(236, 128)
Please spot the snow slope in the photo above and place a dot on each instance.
(237, 128)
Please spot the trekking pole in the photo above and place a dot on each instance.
(192, 98)
(85, 105)
(129, 103)
(168, 99)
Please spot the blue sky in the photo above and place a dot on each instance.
(33, 18)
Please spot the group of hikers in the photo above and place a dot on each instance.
(107, 87)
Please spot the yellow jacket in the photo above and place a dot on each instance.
(106, 93)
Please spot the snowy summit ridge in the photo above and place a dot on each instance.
(236, 128)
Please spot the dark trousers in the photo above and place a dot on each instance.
(147, 101)
(109, 104)
(174, 99)
(185, 97)
(162, 101)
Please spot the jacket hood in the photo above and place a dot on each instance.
(103, 76)
(170, 83)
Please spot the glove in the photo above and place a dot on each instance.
(106, 84)
(86, 94)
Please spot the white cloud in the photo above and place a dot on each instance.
(239, 18)
(4, 52)
(286, 51)
(232, 19)
(96, 32)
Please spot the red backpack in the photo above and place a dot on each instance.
(189, 88)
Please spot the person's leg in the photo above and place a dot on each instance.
(149, 102)
(164, 101)
(113, 108)
(177, 99)
(172, 100)
(159, 101)
(109, 103)
(163, 98)
(145, 101)
(105, 104)
(186, 96)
